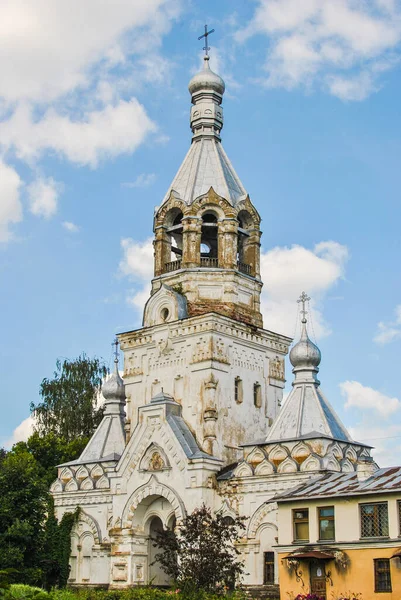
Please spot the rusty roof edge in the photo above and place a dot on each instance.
(304, 438)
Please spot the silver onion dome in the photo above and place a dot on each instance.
(305, 354)
(113, 388)
(206, 80)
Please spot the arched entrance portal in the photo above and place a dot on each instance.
(152, 506)
(153, 514)
(156, 574)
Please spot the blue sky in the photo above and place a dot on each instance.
(94, 123)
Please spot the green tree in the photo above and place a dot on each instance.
(201, 552)
(22, 508)
(49, 451)
(69, 401)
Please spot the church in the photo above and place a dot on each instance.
(197, 416)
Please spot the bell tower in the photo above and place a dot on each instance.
(207, 231)
(202, 344)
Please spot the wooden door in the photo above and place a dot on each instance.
(318, 578)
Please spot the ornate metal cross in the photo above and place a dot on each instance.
(115, 352)
(302, 299)
(205, 35)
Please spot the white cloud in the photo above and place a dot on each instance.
(21, 433)
(137, 265)
(103, 133)
(342, 46)
(70, 227)
(49, 47)
(143, 180)
(10, 203)
(385, 439)
(390, 331)
(137, 262)
(378, 420)
(69, 72)
(368, 399)
(43, 197)
(287, 271)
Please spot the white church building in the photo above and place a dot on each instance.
(197, 416)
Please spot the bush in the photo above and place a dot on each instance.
(20, 591)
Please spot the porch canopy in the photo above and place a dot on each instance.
(310, 554)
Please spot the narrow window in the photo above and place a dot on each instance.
(209, 241)
(382, 575)
(326, 523)
(374, 520)
(238, 390)
(257, 395)
(399, 517)
(301, 525)
(268, 570)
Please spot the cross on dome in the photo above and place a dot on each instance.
(303, 299)
(205, 35)
(115, 351)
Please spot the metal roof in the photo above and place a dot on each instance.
(206, 165)
(345, 484)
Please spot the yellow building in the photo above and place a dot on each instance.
(341, 533)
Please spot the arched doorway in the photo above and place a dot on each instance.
(156, 574)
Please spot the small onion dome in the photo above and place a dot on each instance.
(305, 353)
(206, 80)
(113, 388)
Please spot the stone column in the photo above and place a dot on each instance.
(228, 240)
(210, 415)
(191, 240)
(162, 249)
(252, 252)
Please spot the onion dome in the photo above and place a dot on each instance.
(113, 388)
(206, 80)
(305, 354)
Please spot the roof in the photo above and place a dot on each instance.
(206, 165)
(345, 484)
(307, 413)
(186, 438)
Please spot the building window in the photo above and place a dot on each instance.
(382, 575)
(399, 516)
(257, 395)
(268, 570)
(326, 523)
(374, 520)
(301, 525)
(238, 395)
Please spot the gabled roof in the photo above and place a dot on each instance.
(345, 484)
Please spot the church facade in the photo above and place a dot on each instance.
(197, 416)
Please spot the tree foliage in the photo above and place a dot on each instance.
(69, 401)
(34, 547)
(22, 505)
(201, 552)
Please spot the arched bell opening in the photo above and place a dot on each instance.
(245, 262)
(209, 248)
(174, 232)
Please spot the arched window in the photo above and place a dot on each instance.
(257, 395)
(238, 393)
(209, 241)
(173, 254)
